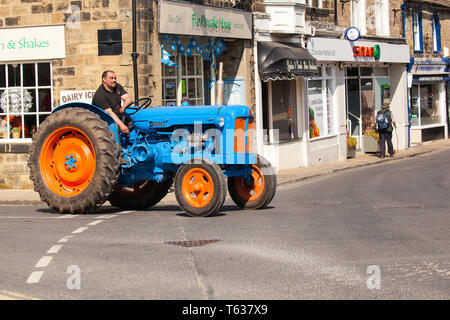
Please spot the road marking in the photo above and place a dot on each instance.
(6, 298)
(55, 249)
(17, 295)
(43, 262)
(68, 216)
(35, 277)
(64, 239)
(95, 222)
(80, 230)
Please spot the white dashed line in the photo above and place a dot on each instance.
(68, 216)
(54, 249)
(107, 216)
(35, 277)
(64, 239)
(80, 230)
(95, 222)
(45, 260)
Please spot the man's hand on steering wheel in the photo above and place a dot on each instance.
(139, 104)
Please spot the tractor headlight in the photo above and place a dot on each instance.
(221, 122)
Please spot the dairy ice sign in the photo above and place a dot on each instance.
(32, 43)
(67, 96)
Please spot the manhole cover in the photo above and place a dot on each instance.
(192, 243)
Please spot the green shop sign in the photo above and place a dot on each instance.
(188, 19)
(213, 23)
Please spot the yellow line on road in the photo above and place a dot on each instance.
(14, 296)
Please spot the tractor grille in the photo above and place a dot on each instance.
(243, 139)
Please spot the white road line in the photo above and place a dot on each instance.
(6, 298)
(35, 277)
(126, 212)
(64, 239)
(80, 230)
(95, 222)
(68, 216)
(45, 260)
(54, 249)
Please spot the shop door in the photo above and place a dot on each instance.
(367, 105)
(353, 107)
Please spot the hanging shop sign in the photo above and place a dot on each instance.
(190, 19)
(352, 34)
(32, 43)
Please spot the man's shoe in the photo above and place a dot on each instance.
(392, 154)
(382, 156)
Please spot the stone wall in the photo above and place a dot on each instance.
(82, 67)
(14, 172)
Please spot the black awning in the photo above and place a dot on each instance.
(285, 61)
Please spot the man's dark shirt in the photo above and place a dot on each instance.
(105, 99)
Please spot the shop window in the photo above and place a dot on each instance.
(417, 31)
(192, 86)
(321, 113)
(436, 26)
(284, 109)
(425, 107)
(25, 98)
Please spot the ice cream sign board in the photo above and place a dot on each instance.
(32, 43)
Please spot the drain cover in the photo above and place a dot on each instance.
(192, 243)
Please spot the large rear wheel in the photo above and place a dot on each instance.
(257, 190)
(73, 161)
(200, 187)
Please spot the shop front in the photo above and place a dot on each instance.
(428, 99)
(199, 46)
(282, 69)
(26, 86)
(357, 78)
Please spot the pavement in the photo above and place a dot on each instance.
(284, 177)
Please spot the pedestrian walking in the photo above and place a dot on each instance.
(385, 126)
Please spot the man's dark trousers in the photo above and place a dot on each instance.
(386, 136)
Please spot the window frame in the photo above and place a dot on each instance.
(417, 47)
(382, 27)
(358, 8)
(436, 27)
(36, 88)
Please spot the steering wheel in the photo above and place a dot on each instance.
(142, 103)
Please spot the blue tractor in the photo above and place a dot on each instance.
(79, 159)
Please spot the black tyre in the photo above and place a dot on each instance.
(257, 191)
(144, 195)
(74, 161)
(200, 187)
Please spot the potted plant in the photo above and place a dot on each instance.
(371, 141)
(351, 146)
(16, 133)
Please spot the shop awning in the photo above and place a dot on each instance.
(285, 61)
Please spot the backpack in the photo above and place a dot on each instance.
(382, 121)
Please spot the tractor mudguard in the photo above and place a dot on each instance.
(98, 111)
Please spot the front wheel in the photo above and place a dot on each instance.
(200, 187)
(257, 190)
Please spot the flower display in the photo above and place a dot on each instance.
(12, 100)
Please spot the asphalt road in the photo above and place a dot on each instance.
(378, 232)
